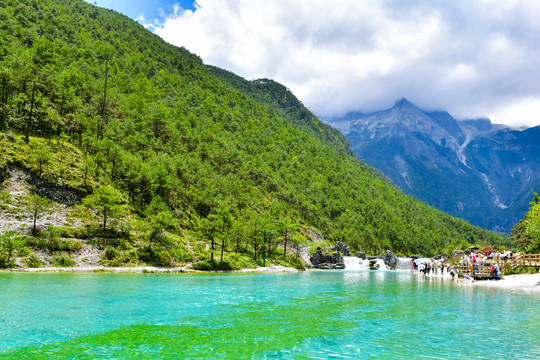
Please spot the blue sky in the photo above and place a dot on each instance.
(152, 11)
(471, 58)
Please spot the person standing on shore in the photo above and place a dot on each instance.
(495, 271)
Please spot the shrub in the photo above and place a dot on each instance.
(111, 253)
(155, 256)
(212, 265)
(69, 245)
(33, 262)
(181, 254)
(200, 251)
(521, 270)
(63, 261)
(35, 242)
(163, 258)
(23, 251)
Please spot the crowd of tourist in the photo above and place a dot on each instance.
(434, 267)
(469, 264)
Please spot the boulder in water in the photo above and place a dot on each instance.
(337, 258)
(361, 255)
(390, 259)
(317, 257)
(373, 264)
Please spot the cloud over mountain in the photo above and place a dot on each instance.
(471, 58)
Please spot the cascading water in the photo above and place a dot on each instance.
(354, 263)
(382, 265)
(404, 264)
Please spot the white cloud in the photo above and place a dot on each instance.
(472, 58)
(142, 20)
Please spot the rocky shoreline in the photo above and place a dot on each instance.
(145, 270)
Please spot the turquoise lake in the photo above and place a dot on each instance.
(310, 315)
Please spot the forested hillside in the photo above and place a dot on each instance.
(187, 146)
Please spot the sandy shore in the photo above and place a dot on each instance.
(147, 269)
(522, 282)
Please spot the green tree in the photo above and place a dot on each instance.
(207, 228)
(107, 200)
(286, 227)
(10, 242)
(224, 222)
(41, 154)
(526, 234)
(157, 224)
(52, 238)
(37, 205)
(532, 228)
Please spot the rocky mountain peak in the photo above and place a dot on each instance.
(404, 103)
(473, 169)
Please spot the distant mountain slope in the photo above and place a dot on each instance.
(271, 93)
(226, 158)
(472, 169)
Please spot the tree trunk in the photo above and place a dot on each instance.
(35, 217)
(104, 218)
(9, 255)
(212, 250)
(285, 247)
(222, 248)
(255, 249)
(27, 139)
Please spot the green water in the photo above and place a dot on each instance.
(315, 315)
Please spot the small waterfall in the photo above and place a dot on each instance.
(354, 263)
(382, 265)
(404, 263)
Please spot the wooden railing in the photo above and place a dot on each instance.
(476, 269)
(521, 259)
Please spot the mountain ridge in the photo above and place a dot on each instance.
(418, 150)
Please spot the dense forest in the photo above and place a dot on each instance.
(189, 149)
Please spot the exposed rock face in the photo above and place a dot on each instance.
(342, 248)
(317, 257)
(390, 259)
(327, 261)
(361, 255)
(330, 266)
(457, 253)
(19, 184)
(337, 258)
